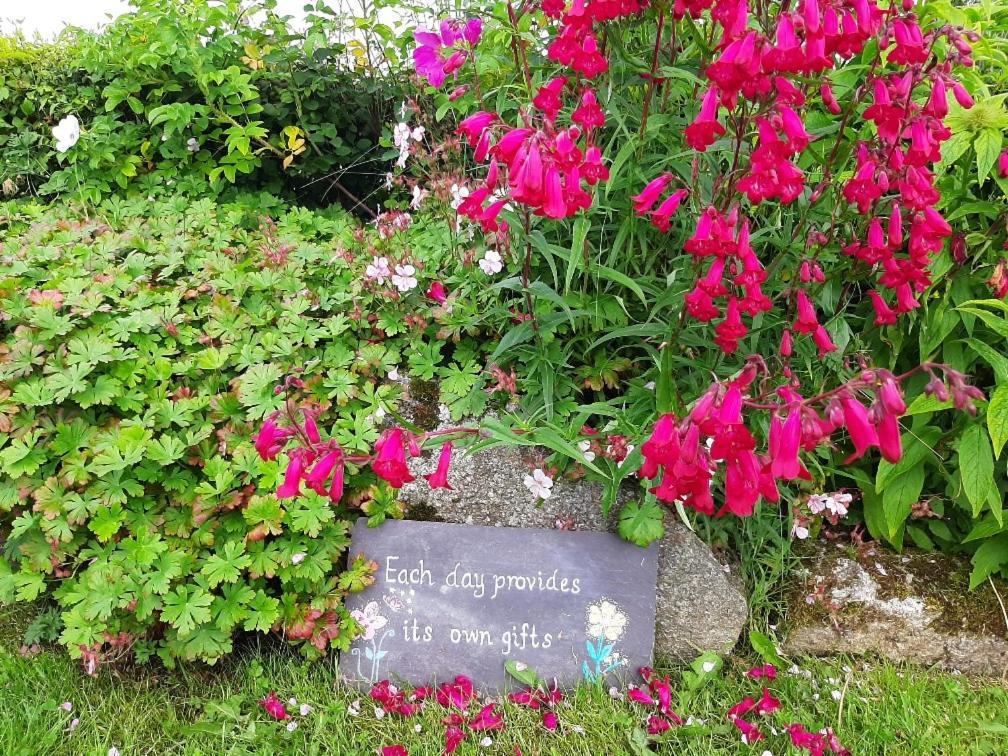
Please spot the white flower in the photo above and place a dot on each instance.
(491, 262)
(378, 269)
(74, 723)
(486, 742)
(291, 726)
(606, 619)
(585, 447)
(66, 706)
(193, 144)
(379, 712)
(708, 666)
(417, 728)
(419, 195)
(418, 133)
(836, 694)
(404, 278)
(800, 532)
(353, 709)
(379, 414)
(401, 135)
(539, 484)
(393, 374)
(292, 701)
(66, 133)
(305, 710)
(389, 178)
(113, 751)
(458, 195)
(298, 557)
(369, 620)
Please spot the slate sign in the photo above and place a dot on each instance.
(464, 599)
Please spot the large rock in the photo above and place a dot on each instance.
(911, 607)
(700, 604)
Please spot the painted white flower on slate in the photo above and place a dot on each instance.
(369, 620)
(606, 619)
(66, 133)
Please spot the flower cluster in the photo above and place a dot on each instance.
(547, 163)
(656, 694)
(441, 54)
(687, 452)
(321, 464)
(767, 79)
(456, 696)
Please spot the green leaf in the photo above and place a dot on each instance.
(186, 607)
(226, 565)
(988, 558)
(997, 418)
(107, 521)
(765, 647)
(987, 146)
(522, 672)
(641, 523)
(976, 465)
(264, 612)
(901, 493)
(926, 403)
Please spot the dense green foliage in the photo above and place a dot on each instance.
(140, 351)
(949, 490)
(267, 106)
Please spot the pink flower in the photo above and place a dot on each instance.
(1003, 164)
(271, 439)
(657, 724)
(661, 217)
(855, 418)
(769, 671)
(550, 720)
(456, 694)
(705, 129)
(390, 463)
(750, 732)
(274, 707)
(487, 719)
(784, 441)
(291, 485)
(394, 750)
(439, 478)
(321, 470)
(639, 695)
(767, 703)
(437, 293)
(453, 738)
(435, 56)
(651, 193)
(310, 428)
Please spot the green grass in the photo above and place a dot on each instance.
(198, 710)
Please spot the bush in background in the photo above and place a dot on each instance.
(197, 96)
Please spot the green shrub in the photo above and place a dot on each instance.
(949, 490)
(139, 354)
(193, 96)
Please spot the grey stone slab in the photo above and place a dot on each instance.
(701, 604)
(456, 599)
